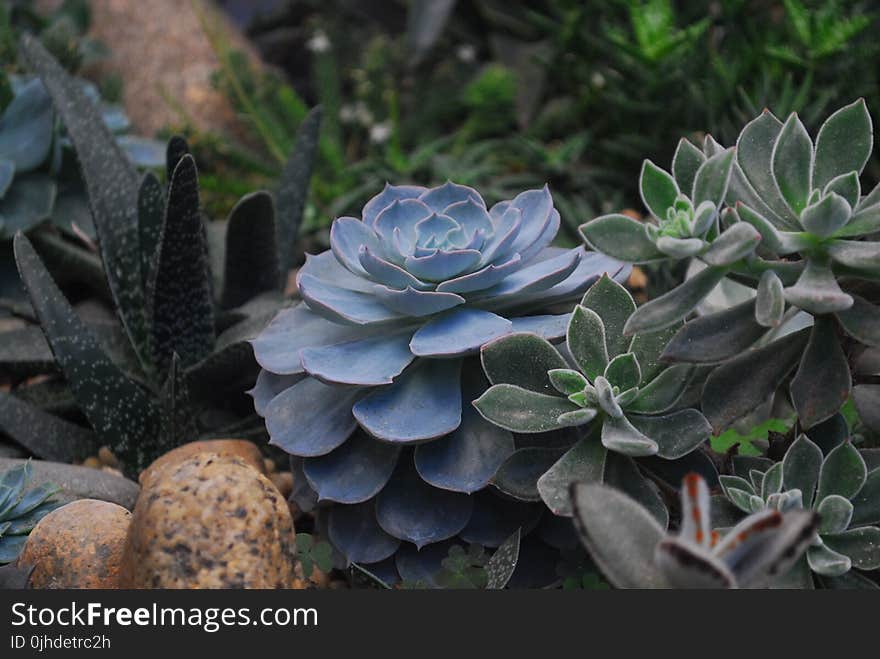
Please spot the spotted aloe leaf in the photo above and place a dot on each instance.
(112, 184)
(121, 412)
(181, 306)
(251, 264)
(294, 186)
(42, 434)
(151, 210)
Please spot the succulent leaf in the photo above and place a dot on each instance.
(587, 341)
(685, 163)
(717, 336)
(843, 473)
(582, 463)
(503, 357)
(658, 189)
(822, 383)
(713, 177)
(520, 410)
(801, 466)
(844, 143)
(621, 237)
(792, 163)
(251, 255)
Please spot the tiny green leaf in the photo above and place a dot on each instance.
(658, 189)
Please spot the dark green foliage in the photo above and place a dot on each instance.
(112, 184)
(180, 310)
(44, 435)
(121, 412)
(251, 266)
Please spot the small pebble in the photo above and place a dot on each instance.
(79, 545)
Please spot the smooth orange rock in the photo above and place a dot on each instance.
(210, 521)
(239, 448)
(79, 545)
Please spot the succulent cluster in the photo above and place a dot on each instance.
(20, 509)
(793, 225)
(181, 328)
(634, 551)
(618, 388)
(367, 383)
(837, 486)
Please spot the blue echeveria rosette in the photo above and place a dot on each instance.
(368, 381)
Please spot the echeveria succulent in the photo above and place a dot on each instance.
(837, 486)
(793, 225)
(634, 551)
(21, 509)
(612, 385)
(407, 292)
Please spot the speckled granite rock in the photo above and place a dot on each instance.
(210, 522)
(79, 545)
(80, 482)
(240, 448)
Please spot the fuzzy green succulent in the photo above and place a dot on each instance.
(837, 486)
(793, 225)
(21, 508)
(612, 386)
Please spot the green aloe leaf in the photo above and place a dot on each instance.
(843, 473)
(45, 436)
(112, 184)
(672, 307)
(251, 266)
(177, 148)
(582, 463)
(293, 188)
(623, 371)
(181, 305)
(728, 396)
(521, 410)
(713, 177)
(619, 534)
(587, 341)
(823, 381)
(151, 210)
(505, 359)
(658, 189)
(800, 468)
(613, 304)
(621, 237)
(770, 300)
(861, 546)
(826, 216)
(685, 163)
(792, 163)
(122, 414)
(861, 321)
(716, 337)
(844, 143)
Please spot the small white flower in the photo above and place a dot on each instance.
(597, 79)
(379, 133)
(319, 43)
(466, 52)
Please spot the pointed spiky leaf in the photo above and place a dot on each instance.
(123, 415)
(112, 183)
(181, 308)
(294, 187)
(251, 264)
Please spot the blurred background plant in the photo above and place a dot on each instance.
(507, 96)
